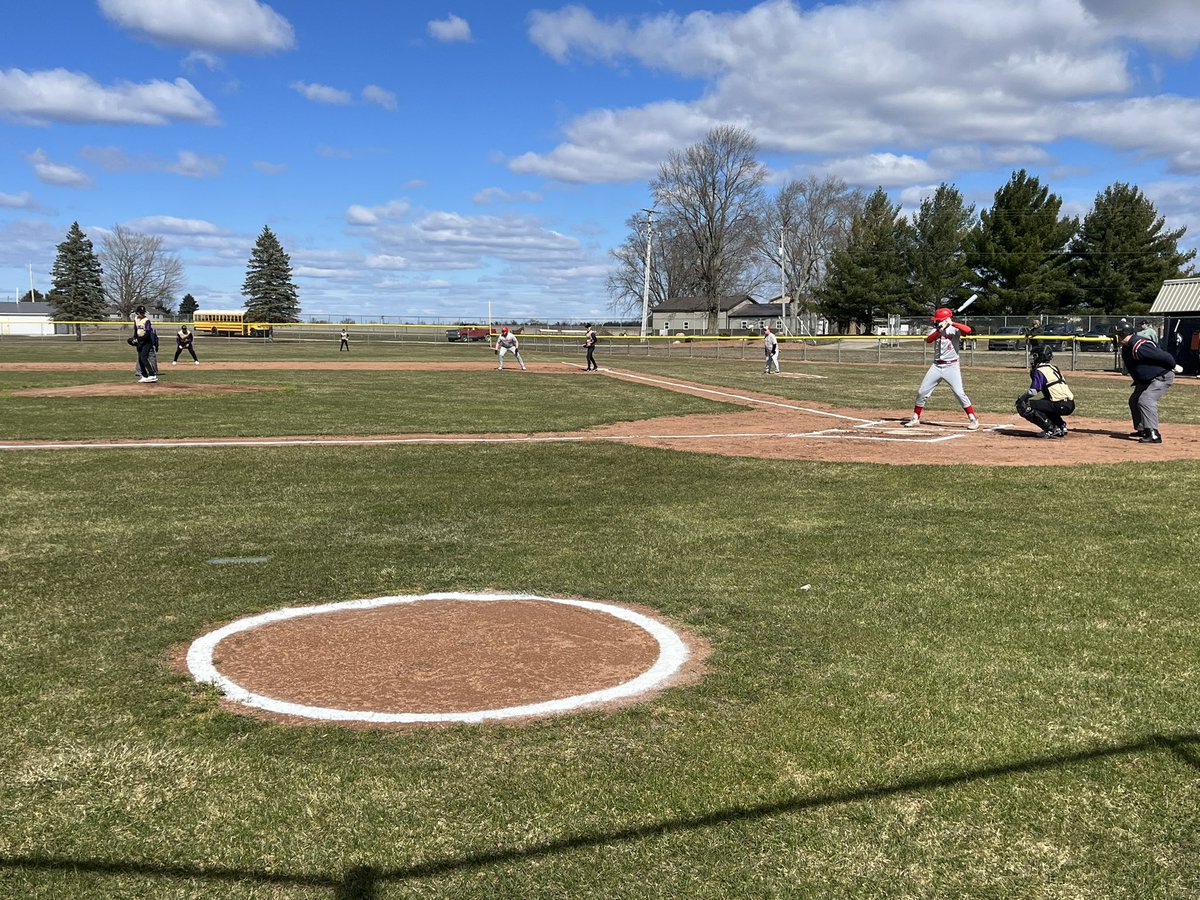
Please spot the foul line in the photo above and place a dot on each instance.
(742, 398)
(672, 654)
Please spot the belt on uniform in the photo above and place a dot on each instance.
(944, 362)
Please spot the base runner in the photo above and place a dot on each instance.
(946, 338)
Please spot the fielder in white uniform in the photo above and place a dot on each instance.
(771, 349)
(946, 337)
(508, 343)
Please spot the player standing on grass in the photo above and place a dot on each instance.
(344, 341)
(508, 343)
(946, 338)
(771, 349)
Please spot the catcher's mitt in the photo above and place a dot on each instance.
(1022, 405)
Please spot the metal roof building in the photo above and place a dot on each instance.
(1179, 296)
(1178, 302)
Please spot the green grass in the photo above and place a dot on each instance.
(989, 689)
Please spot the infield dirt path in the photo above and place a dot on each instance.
(770, 426)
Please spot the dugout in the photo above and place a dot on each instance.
(1178, 302)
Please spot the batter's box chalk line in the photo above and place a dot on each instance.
(672, 654)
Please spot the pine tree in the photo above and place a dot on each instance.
(268, 289)
(868, 279)
(1121, 255)
(937, 253)
(187, 306)
(77, 292)
(1019, 250)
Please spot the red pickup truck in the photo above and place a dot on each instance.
(467, 334)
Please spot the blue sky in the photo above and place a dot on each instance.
(427, 159)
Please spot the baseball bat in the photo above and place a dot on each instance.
(966, 303)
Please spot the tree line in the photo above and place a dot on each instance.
(133, 269)
(854, 258)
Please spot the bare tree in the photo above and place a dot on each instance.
(712, 191)
(672, 267)
(139, 272)
(813, 219)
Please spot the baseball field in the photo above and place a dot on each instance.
(932, 664)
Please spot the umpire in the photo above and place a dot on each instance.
(1153, 371)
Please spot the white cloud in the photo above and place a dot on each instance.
(239, 26)
(845, 80)
(373, 93)
(373, 215)
(883, 169)
(271, 169)
(321, 93)
(489, 196)
(195, 165)
(202, 58)
(24, 200)
(187, 162)
(452, 28)
(164, 225)
(57, 95)
(59, 174)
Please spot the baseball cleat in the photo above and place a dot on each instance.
(973, 425)
(912, 423)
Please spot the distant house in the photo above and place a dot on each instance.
(1178, 302)
(689, 315)
(28, 319)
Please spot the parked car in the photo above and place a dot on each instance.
(467, 334)
(1042, 338)
(1100, 331)
(1008, 337)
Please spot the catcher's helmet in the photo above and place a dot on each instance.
(942, 314)
(1041, 355)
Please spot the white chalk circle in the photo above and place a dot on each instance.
(672, 654)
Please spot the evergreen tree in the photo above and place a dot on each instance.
(868, 278)
(1018, 250)
(187, 306)
(1121, 255)
(268, 289)
(938, 249)
(77, 284)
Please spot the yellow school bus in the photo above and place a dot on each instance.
(224, 321)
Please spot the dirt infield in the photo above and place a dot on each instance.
(770, 427)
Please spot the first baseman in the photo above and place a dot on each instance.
(508, 343)
(946, 337)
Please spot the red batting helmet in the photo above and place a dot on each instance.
(504, 330)
(942, 314)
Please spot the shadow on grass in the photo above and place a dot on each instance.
(363, 882)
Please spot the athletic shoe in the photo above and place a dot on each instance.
(1047, 434)
(174, 362)
(1150, 437)
(145, 378)
(195, 362)
(912, 423)
(972, 424)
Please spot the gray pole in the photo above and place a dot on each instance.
(646, 283)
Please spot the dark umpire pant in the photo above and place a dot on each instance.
(1143, 402)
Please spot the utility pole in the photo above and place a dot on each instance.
(646, 283)
(783, 298)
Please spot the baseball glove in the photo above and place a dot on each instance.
(1023, 405)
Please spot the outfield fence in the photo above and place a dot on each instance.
(1072, 351)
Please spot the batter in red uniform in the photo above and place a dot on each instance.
(946, 337)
